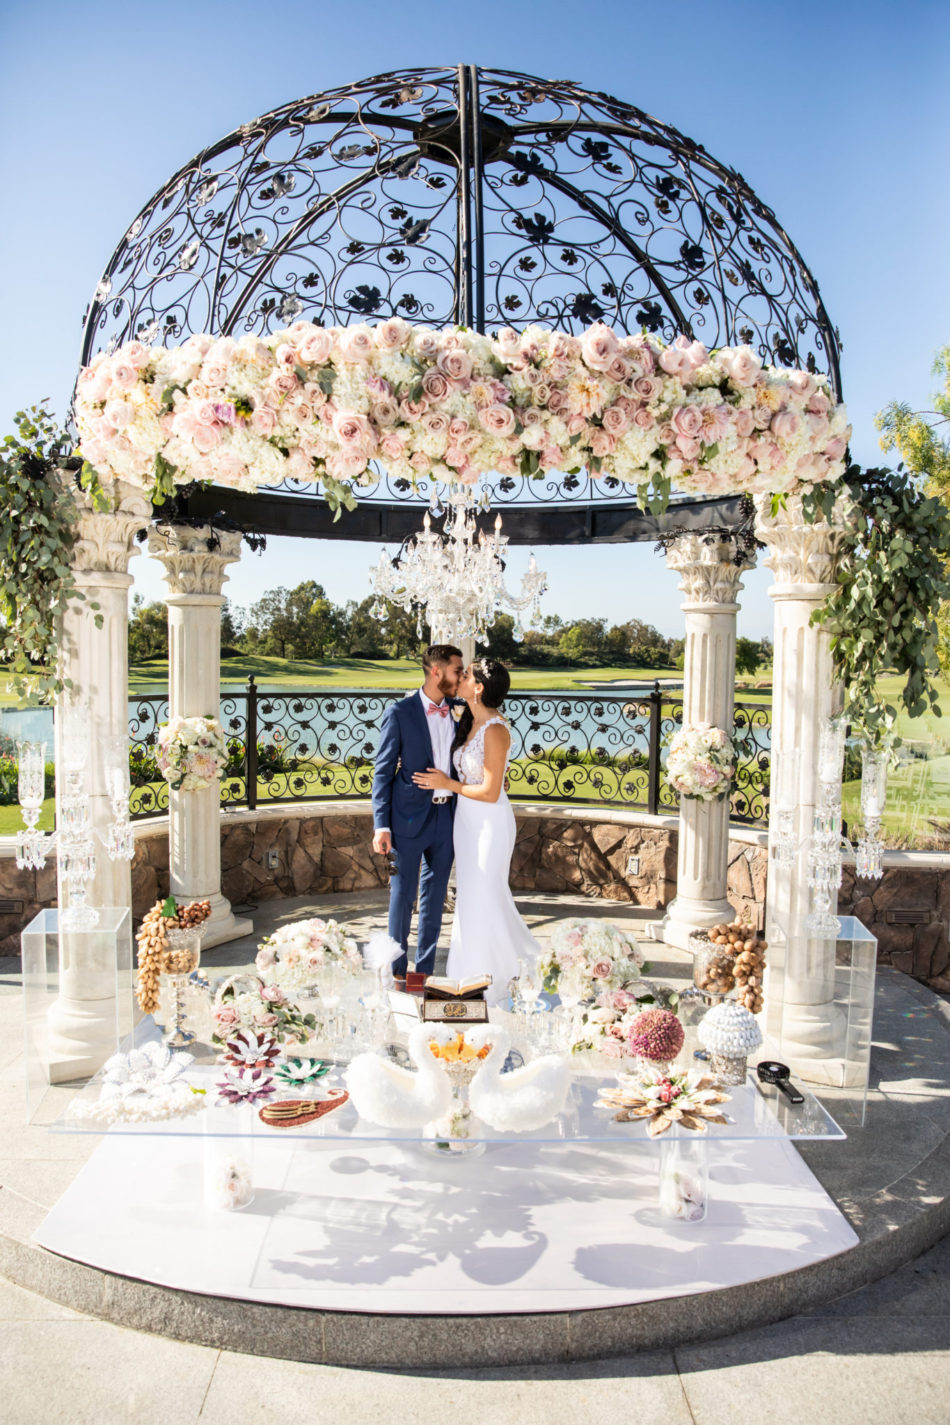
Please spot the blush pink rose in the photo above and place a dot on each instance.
(819, 404)
(508, 344)
(205, 438)
(688, 446)
(602, 443)
(802, 383)
(355, 344)
(741, 365)
(425, 343)
(646, 387)
(436, 422)
(283, 383)
(616, 420)
(456, 365)
(355, 432)
(286, 356)
(392, 334)
(602, 969)
(557, 401)
(264, 419)
(744, 424)
(498, 420)
(315, 349)
(785, 425)
(420, 462)
(435, 385)
(412, 410)
(225, 1016)
(644, 418)
(620, 369)
(119, 413)
(124, 376)
(687, 420)
(599, 347)
(836, 447)
(391, 446)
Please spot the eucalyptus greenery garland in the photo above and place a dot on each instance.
(36, 542)
(891, 582)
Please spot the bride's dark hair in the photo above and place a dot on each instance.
(496, 682)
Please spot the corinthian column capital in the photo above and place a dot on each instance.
(711, 568)
(194, 558)
(106, 538)
(801, 552)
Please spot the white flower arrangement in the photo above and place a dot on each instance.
(702, 762)
(295, 954)
(586, 957)
(325, 404)
(604, 1027)
(244, 1004)
(192, 753)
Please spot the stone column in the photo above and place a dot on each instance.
(195, 561)
(711, 569)
(94, 658)
(803, 557)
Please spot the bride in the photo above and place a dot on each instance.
(488, 934)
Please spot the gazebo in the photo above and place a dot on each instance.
(479, 199)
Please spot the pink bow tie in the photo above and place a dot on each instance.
(442, 710)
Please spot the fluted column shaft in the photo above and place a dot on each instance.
(195, 561)
(94, 659)
(711, 570)
(803, 558)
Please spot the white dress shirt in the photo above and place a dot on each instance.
(441, 733)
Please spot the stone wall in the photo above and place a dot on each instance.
(908, 910)
(574, 853)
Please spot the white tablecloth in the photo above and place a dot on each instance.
(384, 1228)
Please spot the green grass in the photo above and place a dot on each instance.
(11, 818)
(274, 674)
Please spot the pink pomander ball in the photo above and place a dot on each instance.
(657, 1035)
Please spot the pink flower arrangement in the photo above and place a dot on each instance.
(330, 404)
(657, 1035)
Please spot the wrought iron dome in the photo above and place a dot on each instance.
(466, 195)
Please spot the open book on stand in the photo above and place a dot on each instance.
(438, 987)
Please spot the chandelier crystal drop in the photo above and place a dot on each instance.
(455, 578)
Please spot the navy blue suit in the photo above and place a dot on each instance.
(421, 830)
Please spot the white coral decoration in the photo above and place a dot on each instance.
(148, 1070)
(701, 762)
(141, 1087)
(729, 1030)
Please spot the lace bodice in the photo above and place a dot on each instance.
(469, 760)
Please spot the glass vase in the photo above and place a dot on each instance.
(181, 959)
(229, 1158)
(450, 1135)
(684, 1179)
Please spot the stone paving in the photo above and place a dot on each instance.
(877, 1354)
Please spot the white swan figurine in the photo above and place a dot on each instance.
(384, 1093)
(523, 1100)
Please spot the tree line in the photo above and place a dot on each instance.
(302, 624)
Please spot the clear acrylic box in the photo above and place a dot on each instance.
(78, 998)
(820, 1010)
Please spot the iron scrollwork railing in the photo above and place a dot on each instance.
(575, 748)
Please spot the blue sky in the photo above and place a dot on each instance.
(837, 113)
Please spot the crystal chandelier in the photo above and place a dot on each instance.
(456, 579)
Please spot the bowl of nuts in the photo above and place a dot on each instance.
(729, 962)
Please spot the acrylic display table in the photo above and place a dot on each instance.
(347, 1216)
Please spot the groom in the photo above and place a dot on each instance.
(416, 825)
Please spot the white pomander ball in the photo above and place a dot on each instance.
(729, 1030)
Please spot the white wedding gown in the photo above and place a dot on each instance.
(488, 934)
